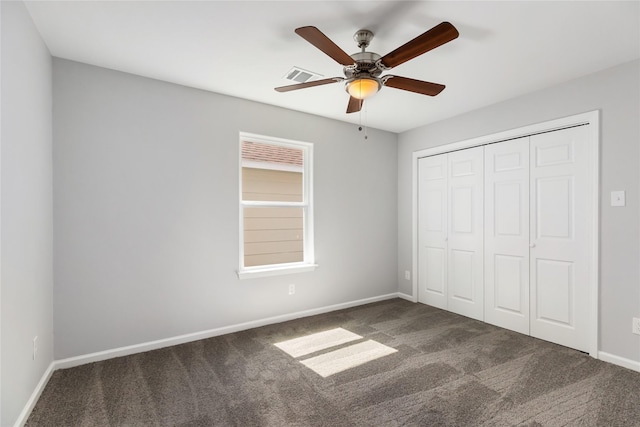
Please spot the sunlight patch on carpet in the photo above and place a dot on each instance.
(316, 342)
(346, 358)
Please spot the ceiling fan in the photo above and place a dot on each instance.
(362, 70)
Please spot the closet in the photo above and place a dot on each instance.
(504, 234)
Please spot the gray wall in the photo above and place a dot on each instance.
(26, 212)
(616, 93)
(146, 211)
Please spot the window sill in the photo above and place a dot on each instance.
(275, 271)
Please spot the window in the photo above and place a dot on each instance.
(276, 215)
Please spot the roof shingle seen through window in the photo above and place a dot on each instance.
(257, 152)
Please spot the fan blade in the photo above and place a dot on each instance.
(417, 86)
(354, 105)
(322, 42)
(309, 84)
(437, 36)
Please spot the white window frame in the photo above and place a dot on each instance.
(308, 263)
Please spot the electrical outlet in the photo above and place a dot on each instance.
(407, 275)
(292, 289)
(636, 326)
(35, 347)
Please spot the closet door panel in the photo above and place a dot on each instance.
(435, 272)
(461, 274)
(507, 234)
(432, 230)
(554, 291)
(510, 286)
(465, 234)
(560, 232)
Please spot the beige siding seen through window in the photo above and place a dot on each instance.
(272, 235)
(271, 185)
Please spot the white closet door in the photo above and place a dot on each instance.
(560, 236)
(432, 229)
(465, 236)
(507, 235)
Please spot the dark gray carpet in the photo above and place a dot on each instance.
(448, 371)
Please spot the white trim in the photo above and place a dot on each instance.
(594, 173)
(254, 137)
(414, 226)
(252, 164)
(308, 263)
(33, 399)
(409, 298)
(592, 118)
(0, 212)
(196, 336)
(181, 339)
(620, 361)
(253, 273)
(263, 204)
(549, 126)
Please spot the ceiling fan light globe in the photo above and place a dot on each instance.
(363, 88)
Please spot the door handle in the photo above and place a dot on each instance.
(532, 245)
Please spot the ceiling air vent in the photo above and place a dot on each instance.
(299, 75)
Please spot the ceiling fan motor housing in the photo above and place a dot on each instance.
(365, 67)
(365, 62)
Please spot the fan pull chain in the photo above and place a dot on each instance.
(365, 122)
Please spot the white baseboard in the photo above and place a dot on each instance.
(620, 361)
(407, 297)
(181, 339)
(26, 411)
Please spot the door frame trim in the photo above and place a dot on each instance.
(591, 118)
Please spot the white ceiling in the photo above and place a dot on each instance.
(244, 48)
